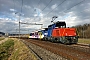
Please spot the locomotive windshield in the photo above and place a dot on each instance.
(31, 34)
(46, 29)
(61, 24)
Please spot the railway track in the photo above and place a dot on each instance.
(42, 54)
(69, 52)
(36, 55)
(84, 46)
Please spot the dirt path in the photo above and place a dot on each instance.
(3, 40)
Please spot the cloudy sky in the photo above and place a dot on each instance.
(73, 12)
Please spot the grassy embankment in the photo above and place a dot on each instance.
(21, 52)
(86, 41)
(14, 49)
(2, 38)
(6, 49)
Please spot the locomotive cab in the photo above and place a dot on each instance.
(45, 32)
(55, 25)
(60, 24)
(31, 35)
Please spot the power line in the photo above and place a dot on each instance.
(68, 8)
(37, 6)
(38, 3)
(56, 7)
(61, 4)
(75, 5)
(21, 6)
(47, 5)
(44, 7)
(14, 3)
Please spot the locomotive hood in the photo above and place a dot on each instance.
(64, 32)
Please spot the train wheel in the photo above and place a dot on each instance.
(52, 39)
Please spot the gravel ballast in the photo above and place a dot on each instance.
(43, 53)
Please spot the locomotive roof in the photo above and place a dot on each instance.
(49, 25)
(45, 29)
(58, 23)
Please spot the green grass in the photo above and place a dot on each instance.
(86, 41)
(2, 38)
(21, 52)
(6, 49)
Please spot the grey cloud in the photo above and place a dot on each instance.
(80, 12)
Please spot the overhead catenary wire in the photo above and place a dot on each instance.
(68, 8)
(30, 23)
(75, 5)
(52, 9)
(56, 7)
(38, 3)
(37, 6)
(22, 6)
(61, 4)
(14, 4)
(46, 5)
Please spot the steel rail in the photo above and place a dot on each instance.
(33, 52)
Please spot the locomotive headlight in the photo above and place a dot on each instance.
(66, 37)
(73, 37)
